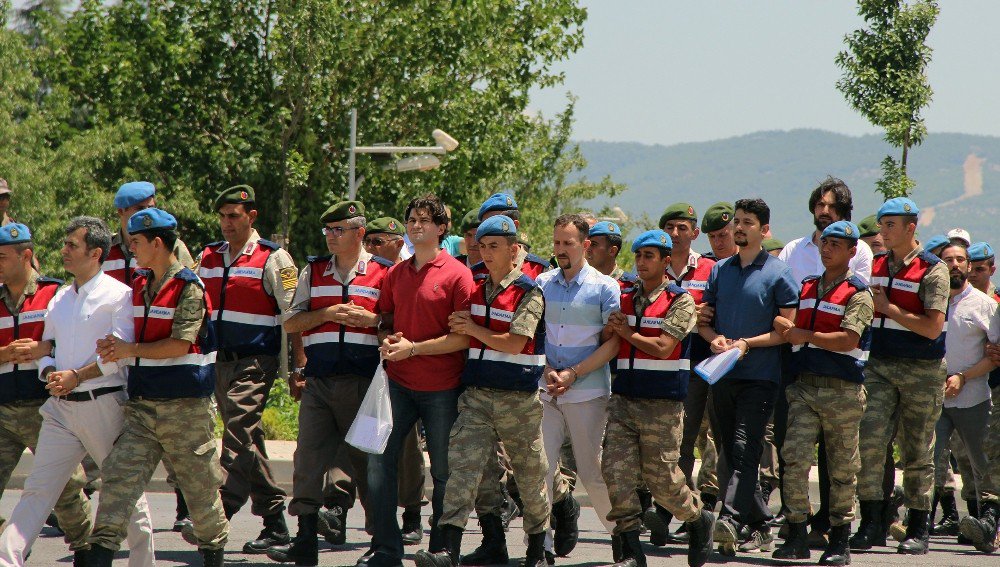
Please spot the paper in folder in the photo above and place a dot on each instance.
(713, 368)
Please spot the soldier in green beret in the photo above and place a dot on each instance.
(871, 235)
(773, 246)
(470, 222)
(384, 237)
(718, 225)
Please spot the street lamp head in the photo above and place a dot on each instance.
(421, 162)
(444, 140)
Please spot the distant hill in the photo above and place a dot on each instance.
(957, 175)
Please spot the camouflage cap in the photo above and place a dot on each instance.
(235, 195)
(717, 216)
(470, 221)
(384, 225)
(868, 226)
(342, 211)
(682, 211)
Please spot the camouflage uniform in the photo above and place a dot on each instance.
(991, 482)
(914, 388)
(179, 429)
(643, 437)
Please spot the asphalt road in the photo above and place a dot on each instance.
(593, 550)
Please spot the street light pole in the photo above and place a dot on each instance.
(353, 189)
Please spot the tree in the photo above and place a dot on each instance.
(885, 78)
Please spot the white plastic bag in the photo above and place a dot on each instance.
(373, 424)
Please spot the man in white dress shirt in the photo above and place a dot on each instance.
(84, 413)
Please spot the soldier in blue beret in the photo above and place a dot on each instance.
(499, 203)
(170, 384)
(982, 268)
(605, 244)
(503, 204)
(935, 243)
(646, 410)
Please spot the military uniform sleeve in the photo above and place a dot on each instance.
(529, 312)
(189, 314)
(300, 302)
(858, 313)
(280, 278)
(183, 255)
(935, 288)
(680, 319)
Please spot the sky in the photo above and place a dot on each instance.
(668, 71)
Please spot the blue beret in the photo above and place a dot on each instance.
(499, 225)
(605, 228)
(151, 219)
(935, 241)
(842, 229)
(899, 206)
(497, 202)
(978, 252)
(14, 233)
(656, 238)
(133, 193)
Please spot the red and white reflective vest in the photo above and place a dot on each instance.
(889, 338)
(20, 382)
(825, 315)
(188, 376)
(332, 348)
(118, 267)
(246, 316)
(642, 375)
(490, 368)
(532, 266)
(695, 280)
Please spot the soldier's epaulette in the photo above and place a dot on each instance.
(882, 253)
(857, 282)
(710, 256)
(675, 289)
(810, 278)
(187, 275)
(632, 288)
(928, 257)
(269, 244)
(383, 261)
(534, 259)
(144, 272)
(480, 277)
(524, 282)
(215, 244)
(480, 265)
(314, 259)
(628, 277)
(46, 279)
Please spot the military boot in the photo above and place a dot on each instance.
(948, 526)
(493, 549)
(447, 557)
(870, 533)
(838, 551)
(567, 529)
(303, 548)
(212, 557)
(657, 520)
(99, 556)
(796, 545)
(535, 555)
(332, 525)
(632, 554)
(275, 532)
(700, 533)
(916, 533)
(984, 531)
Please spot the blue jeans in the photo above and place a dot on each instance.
(437, 411)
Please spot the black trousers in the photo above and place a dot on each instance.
(740, 412)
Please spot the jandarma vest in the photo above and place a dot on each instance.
(642, 375)
(332, 348)
(20, 382)
(189, 376)
(531, 267)
(246, 316)
(695, 281)
(825, 315)
(889, 338)
(116, 266)
(490, 368)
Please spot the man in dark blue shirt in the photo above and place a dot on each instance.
(746, 292)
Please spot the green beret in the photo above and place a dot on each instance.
(342, 211)
(384, 225)
(470, 221)
(717, 216)
(682, 211)
(772, 244)
(234, 196)
(868, 226)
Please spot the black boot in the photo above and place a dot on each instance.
(332, 525)
(567, 529)
(510, 509)
(212, 557)
(973, 507)
(413, 532)
(983, 532)
(303, 548)
(700, 531)
(535, 555)
(275, 532)
(80, 557)
(938, 491)
(796, 545)
(183, 517)
(98, 556)
(657, 520)
(837, 552)
(449, 556)
(493, 549)
(916, 533)
(632, 554)
(708, 501)
(948, 526)
(870, 533)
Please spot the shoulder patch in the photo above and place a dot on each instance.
(383, 261)
(289, 278)
(269, 244)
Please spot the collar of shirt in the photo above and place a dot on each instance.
(360, 268)
(693, 258)
(152, 288)
(86, 288)
(645, 300)
(616, 273)
(954, 300)
(437, 261)
(248, 248)
(583, 274)
(759, 260)
(493, 290)
(29, 289)
(822, 288)
(906, 261)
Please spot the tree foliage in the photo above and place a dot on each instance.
(197, 95)
(885, 78)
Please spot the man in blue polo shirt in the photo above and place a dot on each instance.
(747, 291)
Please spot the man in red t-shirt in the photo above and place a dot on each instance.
(425, 363)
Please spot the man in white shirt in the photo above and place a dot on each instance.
(84, 413)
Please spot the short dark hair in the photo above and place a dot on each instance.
(433, 205)
(614, 240)
(97, 235)
(168, 236)
(954, 243)
(513, 214)
(577, 221)
(756, 207)
(842, 202)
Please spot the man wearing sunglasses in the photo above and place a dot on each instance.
(384, 237)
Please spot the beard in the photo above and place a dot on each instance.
(822, 222)
(957, 280)
(740, 240)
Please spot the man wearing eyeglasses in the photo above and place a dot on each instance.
(250, 282)
(384, 237)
